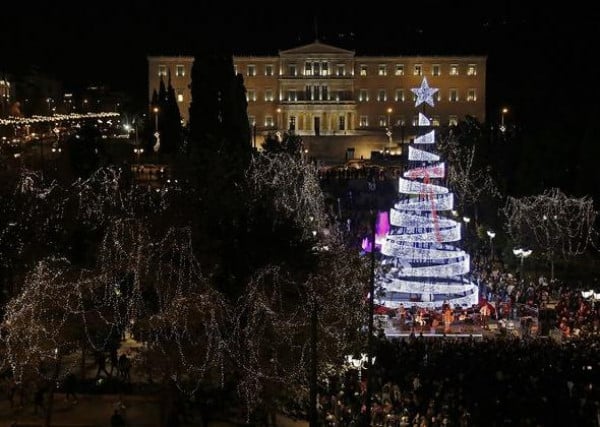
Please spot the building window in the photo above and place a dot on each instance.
(399, 70)
(269, 122)
(179, 95)
(179, 70)
(342, 122)
(316, 68)
(435, 120)
(324, 93)
(418, 71)
(252, 120)
(341, 70)
(292, 70)
(251, 70)
(251, 95)
(382, 70)
(399, 97)
(438, 95)
(162, 70)
(364, 121)
(268, 70)
(308, 71)
(471, 95)
(235, 69)
(383, 121)
(363, 95)
(292, 123)
(453, 95)
(363, 70)
(454, 69)
(292, 95)
(269, 97)
(452, 121)
(436, 70)
(471, 70)
(415, 120)
(381, 95)
(325, 69)
(400, 121)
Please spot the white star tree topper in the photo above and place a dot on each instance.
(424, 93)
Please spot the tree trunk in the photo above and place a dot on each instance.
(50, 406)
(552, 270)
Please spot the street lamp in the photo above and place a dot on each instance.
(522, 253)
(491, 235)
(358, 364)
(155, 109)
(279, 118)
(138, 152)
(502, 127)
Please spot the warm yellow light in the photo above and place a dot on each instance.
(155, 109)
(505, 110)
(389, 110)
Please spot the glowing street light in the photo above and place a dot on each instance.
(155, 110)
(359, 364)
(522, 253)
(502, 126)
(491, 235)
(138, 152)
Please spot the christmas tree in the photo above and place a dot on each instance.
(422, 265)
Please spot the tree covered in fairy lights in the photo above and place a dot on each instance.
(143, 276)
(552, 224)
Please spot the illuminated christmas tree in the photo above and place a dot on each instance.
(421, 264)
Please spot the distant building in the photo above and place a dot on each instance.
(5, 96)
(322, 90)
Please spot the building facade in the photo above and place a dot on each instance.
(319, 89)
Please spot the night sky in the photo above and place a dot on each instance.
(539, 60)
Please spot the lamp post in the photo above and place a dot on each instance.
(278, 118)
(138, 152)
(491, 235)
(155, 110)
(358, 364)
(466, 220)
(522, 253)
(502, 127)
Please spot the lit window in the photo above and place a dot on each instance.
(308, 71)
(363, 70)
(382, 121)
(162, 70)
(454, 69)
(325, 69)
(251, 95)
(292, 70)
(364, 121)
(251, 70)
(269, 122)
(252, 120)
(452, 121)
(438, 95)
(381, 95)
(382, 70)
(179, 70)
(268, 70)
(316, 68)
(435, 120)
(292, 95)
(400, 121)
(399, 70)
(235, 69)
(471, 95)
(435, 70)
(399, 97)
(415, 120)
(471, 70)
(363, 95)
(453, 95)
(418, 71)
(269, 95)
(341, 70)
(179, 95)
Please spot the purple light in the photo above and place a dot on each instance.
(382, 227)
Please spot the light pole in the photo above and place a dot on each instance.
(522, 253)
(466, 220)
(491, 235)
(279, 118)
(389, 128)
(358, 364)
(138, 152)
(502, 127)
(155, 110)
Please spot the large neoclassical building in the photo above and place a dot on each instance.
(322, 90)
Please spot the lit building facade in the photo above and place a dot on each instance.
(319, 89)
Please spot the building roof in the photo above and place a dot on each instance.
(316, 48)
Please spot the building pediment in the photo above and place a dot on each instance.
(316, 48)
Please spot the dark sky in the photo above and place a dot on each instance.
(539, 59)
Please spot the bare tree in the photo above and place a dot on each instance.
(552, 224)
